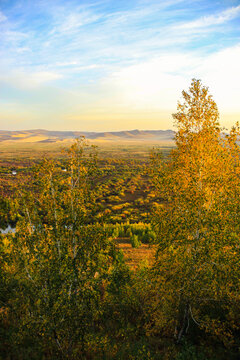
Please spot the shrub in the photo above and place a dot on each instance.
(135, 241)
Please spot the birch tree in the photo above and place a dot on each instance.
(59, 257)
(197, 265)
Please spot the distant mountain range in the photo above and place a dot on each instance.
(45, 136)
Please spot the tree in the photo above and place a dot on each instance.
(197, 264)
(58, 259)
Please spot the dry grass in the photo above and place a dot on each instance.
(135, 256)
(107, 149)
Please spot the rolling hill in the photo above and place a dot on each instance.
(45, 136)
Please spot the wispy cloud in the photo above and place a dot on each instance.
(116, 37)
(71, 23)
(156, 84)
(2, 17)
(116, 57)
(28, 80)
(216, 19)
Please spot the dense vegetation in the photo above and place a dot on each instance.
(66, 290)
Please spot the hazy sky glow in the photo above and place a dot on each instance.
(114, 65)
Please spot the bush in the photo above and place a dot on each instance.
(115, 233)
(129, 232)
(135, 241)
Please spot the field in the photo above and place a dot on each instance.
(125, 192)
(144, 255)
(107, 148)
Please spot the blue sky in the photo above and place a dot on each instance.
(114, 65)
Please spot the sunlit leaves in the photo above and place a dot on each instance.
(56, 253)
(198, 258)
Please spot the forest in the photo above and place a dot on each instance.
(125, 256)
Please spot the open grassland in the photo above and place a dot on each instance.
(35, 151)
(107, 148)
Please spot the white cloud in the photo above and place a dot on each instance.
(211, 20)
(221, 72)
(145, 47)
(157, 84)
(67, 63)
(72, 22)
(77, 66)
(23, 49)
(28, 80)
(153, 84)
(88, 67)
(2, 17)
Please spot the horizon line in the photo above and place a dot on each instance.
(88, 131)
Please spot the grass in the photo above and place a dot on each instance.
(111, 149)
(135, 256)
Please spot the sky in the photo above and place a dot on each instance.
(109, 65)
